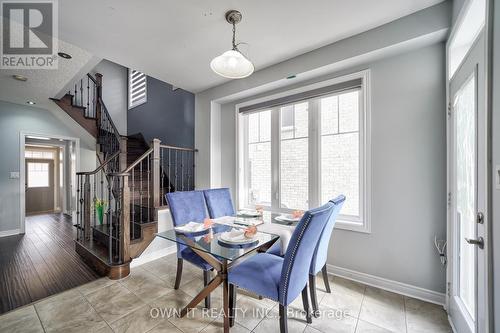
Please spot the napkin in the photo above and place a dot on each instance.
(191, 227)
(235, 235)
(247, 212)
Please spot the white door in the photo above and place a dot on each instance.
(468, 192)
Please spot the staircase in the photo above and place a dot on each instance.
(131, 181)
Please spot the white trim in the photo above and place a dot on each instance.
(153, 256)
(10, 232)
(365, 141)
(389, 285)
(22, 171)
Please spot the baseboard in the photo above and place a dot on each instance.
(145, 258)
(389, 285)
(453, 329)
(10, 232)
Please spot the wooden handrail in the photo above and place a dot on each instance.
(179, 148)
(92, 78)
(100, 167)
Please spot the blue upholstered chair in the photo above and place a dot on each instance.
(318, 262)
(188, 206)
(219, 202)
(283, 279)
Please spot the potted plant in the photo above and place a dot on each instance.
(99, 209)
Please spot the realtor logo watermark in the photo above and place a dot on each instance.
(29, 34)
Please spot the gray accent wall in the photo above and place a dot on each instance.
(14, 119)
(408, 170)
(114, 92)
(167, 115)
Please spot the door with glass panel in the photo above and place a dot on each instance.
(40, 186)
(468, 192)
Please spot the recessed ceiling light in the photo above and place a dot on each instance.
(20, 77)
(64, 55)
(31, 102)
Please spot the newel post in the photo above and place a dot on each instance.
(125, 204)
(86, 208)
(155, 179)
(98, 90)
(125, 221)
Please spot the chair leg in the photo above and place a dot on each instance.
(206, 280)
(305, 303)
(283, 319)
(325, 278)
(232, 304)
(179, 273)
(314, 297)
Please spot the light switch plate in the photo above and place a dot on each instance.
(14, 175)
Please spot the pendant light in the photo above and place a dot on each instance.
(232, 64)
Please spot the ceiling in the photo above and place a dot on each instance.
(175, 41)
(43, 83)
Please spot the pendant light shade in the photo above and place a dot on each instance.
(232, 64)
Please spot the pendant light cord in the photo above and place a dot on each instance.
(234, 37)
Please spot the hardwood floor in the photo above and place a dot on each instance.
(41, 262)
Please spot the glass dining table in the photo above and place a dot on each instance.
(220, 255)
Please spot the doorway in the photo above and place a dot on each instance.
(468, 172)
(43, 169)
(47, 176)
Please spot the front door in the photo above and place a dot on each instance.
(40, 186)
(468, 192)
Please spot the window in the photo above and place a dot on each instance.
(294, 141)
(259, 158)
(339, 163)
(48, 155)
(299, 151)
(137, 88)
(38, 175)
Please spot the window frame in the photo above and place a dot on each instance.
(361, 224)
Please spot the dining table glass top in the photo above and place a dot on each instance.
(209, 241)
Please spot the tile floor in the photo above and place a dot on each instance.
(133, 305)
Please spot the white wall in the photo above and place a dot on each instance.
(114, 92)
(417, 30)
(407, 61)
(16, 118)
(408, 171)
(495, 239)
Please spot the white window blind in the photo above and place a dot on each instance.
(137, 88)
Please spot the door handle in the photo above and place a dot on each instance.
(479, 242)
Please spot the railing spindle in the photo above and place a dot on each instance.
(88, 112)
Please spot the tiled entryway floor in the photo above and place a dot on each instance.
(133, 305)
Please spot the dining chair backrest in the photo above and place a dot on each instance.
(219, 202)
(321, 253)
(186, 206)
(298, 256)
